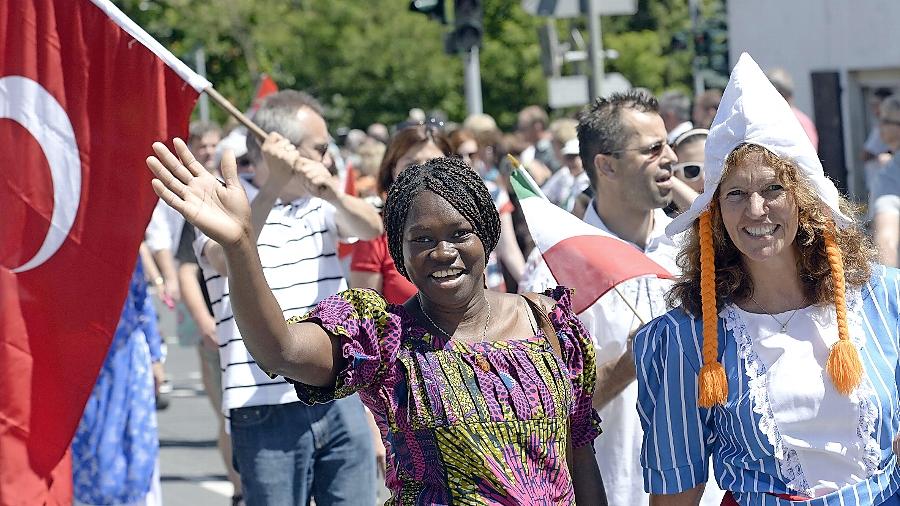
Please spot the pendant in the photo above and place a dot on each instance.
(482, 363)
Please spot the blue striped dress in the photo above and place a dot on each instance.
(742, 437)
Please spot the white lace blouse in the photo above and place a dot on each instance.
(819, 427)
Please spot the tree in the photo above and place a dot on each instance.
(373, 61)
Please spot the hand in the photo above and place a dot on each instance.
(220, 210)
(896, 445)
(316, 179)
(171, 290)
(280, 156)
(159, 375)
(207, 329)
(377, 445)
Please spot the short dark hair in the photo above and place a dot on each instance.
(455, 182)
(198, 129)
(601, 129)
(277, 113)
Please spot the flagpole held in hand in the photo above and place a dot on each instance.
(238, 115)
(241, 117)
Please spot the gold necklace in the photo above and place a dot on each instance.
(479, 358)
(783, 324)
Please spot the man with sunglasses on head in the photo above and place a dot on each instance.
(625, 153)
(287, 452)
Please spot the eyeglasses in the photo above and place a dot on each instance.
(690, 171)
(653, 150)
(886, 121)
(319, 149)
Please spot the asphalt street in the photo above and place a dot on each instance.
(191, 468)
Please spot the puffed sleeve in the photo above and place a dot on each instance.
(578, 355)
(369, 339)
(677, 431)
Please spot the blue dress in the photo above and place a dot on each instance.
(742, 437)
(116, 445)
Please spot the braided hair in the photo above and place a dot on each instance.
(451, 179)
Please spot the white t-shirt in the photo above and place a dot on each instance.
(610, 321)
(298, 251)
(164, 230)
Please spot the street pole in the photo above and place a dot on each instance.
(200, 62)
(472, 66)
(596, 48)
(699, 85)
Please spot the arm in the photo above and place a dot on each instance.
(887, 229)
(366, 279)
(508, 249)
(614, 377)
(586, 478)
(192, 296)
(303, 351)
(356, 218)
(682, 194)
(687, 498)
(166, 263)
(151, 272)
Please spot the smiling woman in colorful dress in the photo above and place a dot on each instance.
(781, 360)
(481, 397)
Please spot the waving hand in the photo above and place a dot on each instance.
(220, 210)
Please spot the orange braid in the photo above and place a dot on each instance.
(843, 364)
(713, 388)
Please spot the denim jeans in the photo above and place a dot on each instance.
(288, 453)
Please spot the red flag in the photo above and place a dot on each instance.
(265, 88)
(83, 93)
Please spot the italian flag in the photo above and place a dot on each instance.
(579, 255)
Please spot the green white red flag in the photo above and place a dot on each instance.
(579, 255)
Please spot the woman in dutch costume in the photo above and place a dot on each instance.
(780, 362)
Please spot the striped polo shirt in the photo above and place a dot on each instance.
(743, 438)
(297, 248)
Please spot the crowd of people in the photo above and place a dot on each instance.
(366, 308)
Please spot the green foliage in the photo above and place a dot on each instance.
(374, 60)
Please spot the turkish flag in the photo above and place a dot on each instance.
(81, 100)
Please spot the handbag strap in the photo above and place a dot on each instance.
(544, 322)
(550, 333)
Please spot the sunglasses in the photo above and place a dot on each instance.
(432, 124)
(653, 150)
(690, 171)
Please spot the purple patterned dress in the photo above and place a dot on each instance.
(456, 430)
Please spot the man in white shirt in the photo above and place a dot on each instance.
(287, 452)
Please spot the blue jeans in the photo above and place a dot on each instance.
(288, 453)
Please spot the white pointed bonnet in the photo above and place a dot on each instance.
(753, 112)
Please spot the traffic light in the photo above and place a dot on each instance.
(434, 9)
(467, 26)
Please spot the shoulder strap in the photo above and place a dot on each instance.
(546, 325)
(543, 321)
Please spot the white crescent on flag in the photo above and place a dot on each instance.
(29, 104)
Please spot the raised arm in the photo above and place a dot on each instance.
(304, 352)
